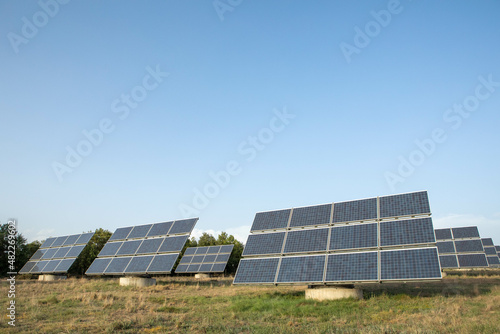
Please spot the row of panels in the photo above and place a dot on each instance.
(402, 205)
(144, 246)
(201, 268)
(336, 238)
(67, 240)
(465, 261)
(149, 264)
(57, 253)
(457, 233)
(407, 264)
(209, 250)
(154, 230)
(47, 267)
(461, 246)
(201, 259)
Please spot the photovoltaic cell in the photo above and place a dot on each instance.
(218, 267)
(261, 244)
(353, 236)
(173, 244)
(465, 232)
(464, 246)
(38, 254)
(404, 205)
(121, 233)
(59, 241)
(48, 242)
(160, 229)
(301, 269)
(84, 238)
(75, 251)
(406, 232)
(472, 260)
(311, 216)
(205, 267)
(139, 231)
(222, 258)
(183, 226)
(27, 267)
(150, 246)
(214, 249)
(352, 267)
(493, 260)
(61, 252)
(51, 266)
(448, 261)
(212, 257)
(186, 259)
(139, 264)
(98, 266)
(443, 234)
(409, 264)
(304, 241)
(201, 250)
(64, 265)
(257, 270)
(487, 242)
(225, 249)
(271, 220)
(38, 267)
(71, 240)
(129, 247)
(181, 268)
(490, 251)
(359, 210)
(194, 268)
(197, 259)
(110, 249)
(445, 247)
(190, 251)
(162, 263)
(118, 265)
(49, 253)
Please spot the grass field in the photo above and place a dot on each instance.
(185, 305)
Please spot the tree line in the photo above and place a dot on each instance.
(24, 250)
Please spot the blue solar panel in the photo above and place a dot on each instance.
(211, 257)
(465, 232)
(404, 205)
(51, 266)
(139, 231)
(110, 249)
(448, 261)
(472, 260)
(487, 242)
(61, 252)
(490, 250)
(443, 234)
(183, 226)
(493, 260)
(194, 268)
(190, 251)
(150, 246)
(218, 267)
(71, 240)
(497, 248)
(202, 250)
(406, 232)
(75, 251)
(445, 247)
(205, 263)
(27, 267)
(294, 269)
(139, 264)
(118, 265)
(225, 249)
(173, 244)
(271, 220)
(464, 246)
(49, 253)
(409, 264)
(121, 233)
(129, 247)
(260, 244)
(59, 241)
(38, 254)
(186, 259)
(197, 259)
(215, 249)
(346, 267)
(359, 210)
(304, 241)
(181, 268)
(38, 267)
(256, 270)
(162, 263)
(205, 267)
(64, 265)
(222, 258)
(84, 238)
(160, 229)
(48, 242)
(311, 216)
(353, 236)
(98, 266)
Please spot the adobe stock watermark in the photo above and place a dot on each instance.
(122, 108)
(363, 37)
(223, 6)
(31, 26)
(454, 118)
(248, 150)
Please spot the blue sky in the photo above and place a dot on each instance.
(170, 93)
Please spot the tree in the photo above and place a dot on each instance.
(18, 250)
(207, 240)
(90, 252)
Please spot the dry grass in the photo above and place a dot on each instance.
(186, 305)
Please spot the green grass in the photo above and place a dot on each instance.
(185, 305)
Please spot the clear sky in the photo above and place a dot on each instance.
(119, 113)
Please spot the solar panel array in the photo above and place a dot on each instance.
(371, 240)
(56, 255)
(461, 247)
(143, 249)
(209, 259)
(491, 252)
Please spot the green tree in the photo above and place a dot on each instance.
(18, 250)
(207, 240)
(90, 252)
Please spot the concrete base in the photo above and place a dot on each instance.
(50, 278)
(137, 281)
(202, 276)
(332, 293)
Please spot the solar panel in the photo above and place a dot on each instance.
(465, 232)
(51, 266)
(71, 240)
(257, 270)
(493, 260)
(27, 267)
(359, 210)
(487, 242)
(294, 269)
(38, 267)
(211, 257)
(190, 251)
(260, 244)
(488, 250)
(38, 254)
(216, 249)
(443, 234)
(48, 242)
(143, 249)
(448, 261)
(446, 247)
(472, 260)
(352, 267)
(201, 250)
(410, 204)
(61, 252)
(407, 232)
(49, 253)
(409, 264)
(311, 216)
(224, 249)
(197, 259)
(64, 265)
(59, 241)
(205, 260)
(271, 220)
(305, 241)
(497, 248)
(464, 246)
(84, 238)
(365, 236)
(182, 268)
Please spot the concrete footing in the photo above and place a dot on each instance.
(202, 276)
(137, 281)
(50, 278)
(332, 293)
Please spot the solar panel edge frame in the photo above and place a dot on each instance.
(415, 279)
